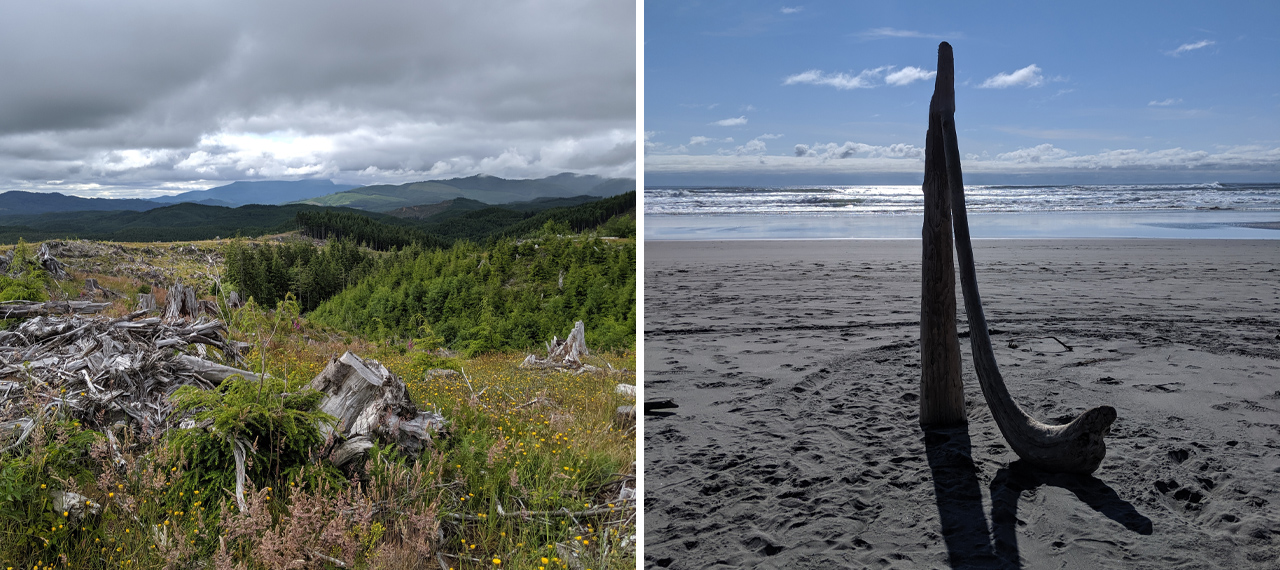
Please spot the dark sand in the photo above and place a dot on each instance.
(796, 444)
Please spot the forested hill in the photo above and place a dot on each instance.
(512, 295)
(190, 222)
(179, 222)
(508, 291)
(18, 202)
(469, 220)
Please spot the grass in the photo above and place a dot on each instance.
(519, 441)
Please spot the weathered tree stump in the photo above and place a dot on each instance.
(566, 353)
(146, 302)
(371, 403)
(50, 264)
(180, 303)
(1077, 447)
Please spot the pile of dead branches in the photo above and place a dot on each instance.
(105, 372)
(102, 371)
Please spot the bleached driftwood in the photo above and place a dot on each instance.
(371, 403)
(564, 354)
(1076, 447)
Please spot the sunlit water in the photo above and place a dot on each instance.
(1217, 211)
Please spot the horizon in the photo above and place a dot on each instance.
(223, 184)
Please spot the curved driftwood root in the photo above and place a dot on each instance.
(1076, 447)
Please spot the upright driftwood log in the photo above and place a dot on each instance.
(1077, 447)
(941, 385)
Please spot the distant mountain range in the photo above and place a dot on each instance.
(482, 188)
(270, 192)
(378, 198)
(18, 202)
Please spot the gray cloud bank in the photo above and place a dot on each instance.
(132, 98)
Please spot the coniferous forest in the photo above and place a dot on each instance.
(515, 291)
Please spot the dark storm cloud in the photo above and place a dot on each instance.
(112, 98)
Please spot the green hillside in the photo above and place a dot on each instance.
(180, 222)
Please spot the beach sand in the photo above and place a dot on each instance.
(796, 443)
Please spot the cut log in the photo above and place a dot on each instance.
(371, 402)
(1076, 447)
(25, 309)
(941, 384)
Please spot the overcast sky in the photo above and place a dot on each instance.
(138, 98)
(741, 92)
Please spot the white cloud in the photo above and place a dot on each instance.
(1164, 103)
(886, 33)
(864, 80)
(700, 140)
(1039, 153)
(754, 147)
(1184, 48)
(907, 159)
(908, 75)
(731, 122)
(831, 151)
(1029, 76)
(766, 136)
(791, 9)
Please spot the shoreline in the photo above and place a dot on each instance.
(795, 364)
(1139, 224)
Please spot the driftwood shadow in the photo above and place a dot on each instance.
(959, 497)
(1019, 476)
(970, 542)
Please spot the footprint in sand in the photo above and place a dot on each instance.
(1166, 388)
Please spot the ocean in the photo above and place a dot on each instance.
(1211, 210)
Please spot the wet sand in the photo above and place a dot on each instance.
(796, 444)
